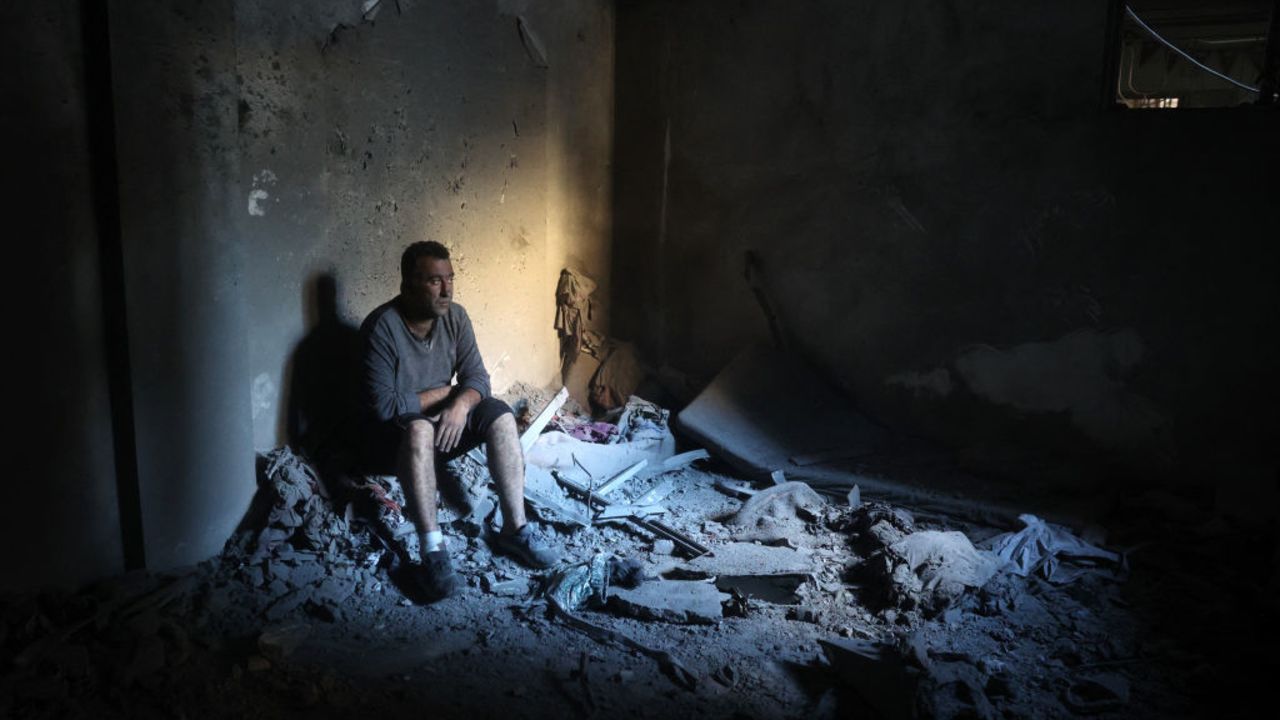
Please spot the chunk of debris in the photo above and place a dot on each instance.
(954, 690)
(280, 641)
(515, 587)
(739, 558)
(932, 568)
(676, 462)
(663, 546)
(744, 417)
(1097, 693)
(877, 673)
(854, 498)
(805, 613)
(777, 512)
(780, 589)
(676, 601)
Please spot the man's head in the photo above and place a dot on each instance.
(426, 279)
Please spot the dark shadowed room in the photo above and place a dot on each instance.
(738, 359)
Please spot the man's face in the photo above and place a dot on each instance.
(429, 288)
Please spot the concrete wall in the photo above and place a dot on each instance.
(185, 255)
(59, 521)
(277, 159)
(955, 230)
(358, 137)
(274, 160)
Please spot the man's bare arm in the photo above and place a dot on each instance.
(431, 401)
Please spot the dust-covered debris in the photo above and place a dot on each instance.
(306, 612)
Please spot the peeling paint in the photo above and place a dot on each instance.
(935, 382)
(256, 200)
(258, 195)
(1082, 374)
(263, 394)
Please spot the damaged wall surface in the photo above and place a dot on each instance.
(954, 229)
(273, 162)
(485, 126)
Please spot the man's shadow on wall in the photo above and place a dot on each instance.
(324, 383)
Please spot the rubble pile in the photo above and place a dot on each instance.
(681, 582)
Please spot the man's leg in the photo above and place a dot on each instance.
(417, 470)
(506, 465)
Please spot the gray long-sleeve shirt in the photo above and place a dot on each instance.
(397, 365)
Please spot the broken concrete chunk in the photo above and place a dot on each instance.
(674, 601)
(781, 512)
(663, 546)
(1098, 693)
(806, 613)
(777, 589)
(877, 673)
(885, 534)
(279, 642)
(954, 690)
(516, 587)
(332, 590)
(941, 557)
(253, 575)
(854, 498)
(750, 559)
(685, 458)
(931, 568)
(287, 604)
(742, 417)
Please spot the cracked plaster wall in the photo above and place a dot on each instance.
(955, 231)
(266, 146)
(262, 145)
(429, 122)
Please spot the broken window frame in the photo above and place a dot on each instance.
(1119, 20)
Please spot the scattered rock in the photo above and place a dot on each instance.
(750, 559)
(675, 601)
(517, 587)
(777, 512)
(279, 642)
(1097, 693)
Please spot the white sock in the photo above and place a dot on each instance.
(430, 541)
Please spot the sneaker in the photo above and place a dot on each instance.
(521, 546)
(434, 577)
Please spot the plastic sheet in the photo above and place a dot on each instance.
(1044, 548)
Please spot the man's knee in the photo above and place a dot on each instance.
(503, 425)
(420, 435)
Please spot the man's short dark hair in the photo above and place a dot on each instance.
(420, 249)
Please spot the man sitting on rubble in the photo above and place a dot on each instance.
(414, 345)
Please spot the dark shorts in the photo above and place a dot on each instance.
(382, 441)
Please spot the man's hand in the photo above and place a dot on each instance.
(449, 430)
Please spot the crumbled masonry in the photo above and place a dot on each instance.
(906, 614)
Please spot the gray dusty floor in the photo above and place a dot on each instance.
(224, 639)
